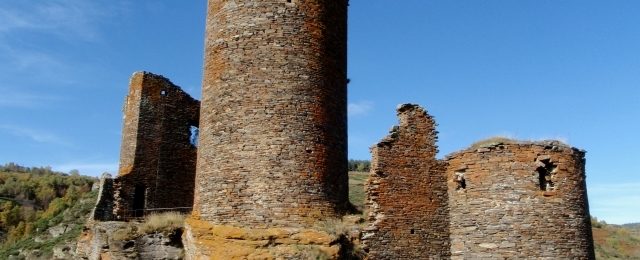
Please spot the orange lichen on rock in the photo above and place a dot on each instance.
(204, 240)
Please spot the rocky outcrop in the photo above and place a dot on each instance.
(204, 240)
(117, 240)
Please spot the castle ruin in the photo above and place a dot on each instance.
(407, 192)
(499, 199)
(158, 151)
(263, 159)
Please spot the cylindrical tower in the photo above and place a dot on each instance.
(511, 199)
(273, 126)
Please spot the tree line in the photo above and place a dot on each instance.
(30, 194)
(359, 165)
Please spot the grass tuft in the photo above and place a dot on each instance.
(335, 227)
(162, 222)
(491, 141)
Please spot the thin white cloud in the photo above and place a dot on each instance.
(93, 169)
(19, 58)
(615, 203)
(15, 99)
(619, 187)
(67, 19)
(28, 27)
(35, 135)
(359, 108)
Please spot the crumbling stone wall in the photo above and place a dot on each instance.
(499, 199)
(407, 192)
(273, 141)
(103, 210)
(519, 200)
(158, 157)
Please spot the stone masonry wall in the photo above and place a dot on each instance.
(157, 159)
(519, 200)
(407, 192)
(103, 210)
(273, 141)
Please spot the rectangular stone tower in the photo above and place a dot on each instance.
(157, 157)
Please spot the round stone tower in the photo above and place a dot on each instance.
(510, 199)
(273, 126)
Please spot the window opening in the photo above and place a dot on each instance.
(163, 93)
(461, 183)
(193, 137)
(546, 174)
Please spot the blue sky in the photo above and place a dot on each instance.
(527, 69)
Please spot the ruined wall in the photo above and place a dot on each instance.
(103, 210)
(407, 192)
(519, 200)
(157, 158)
(273, 141)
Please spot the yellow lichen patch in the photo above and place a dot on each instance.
(125, 169)
(311, 237)
(208, 241)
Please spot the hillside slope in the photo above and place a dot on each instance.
(42, 212)
(616, 241)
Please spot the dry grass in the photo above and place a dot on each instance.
(491, 141)
(356, 189)
(615, 242)
(307, 252)
(335, 227)
(122, 234)
(162, 222)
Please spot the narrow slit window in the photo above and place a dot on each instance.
(193, 135)
(461, 182)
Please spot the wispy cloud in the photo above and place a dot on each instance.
(359, 108)
(16, 99)
(94, 169)
(35, 135)
(29, 28)
(615, 202)
(76, 19)
(17, 59)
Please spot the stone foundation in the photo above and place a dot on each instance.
(204, 240)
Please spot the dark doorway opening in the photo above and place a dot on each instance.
(139, 196)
